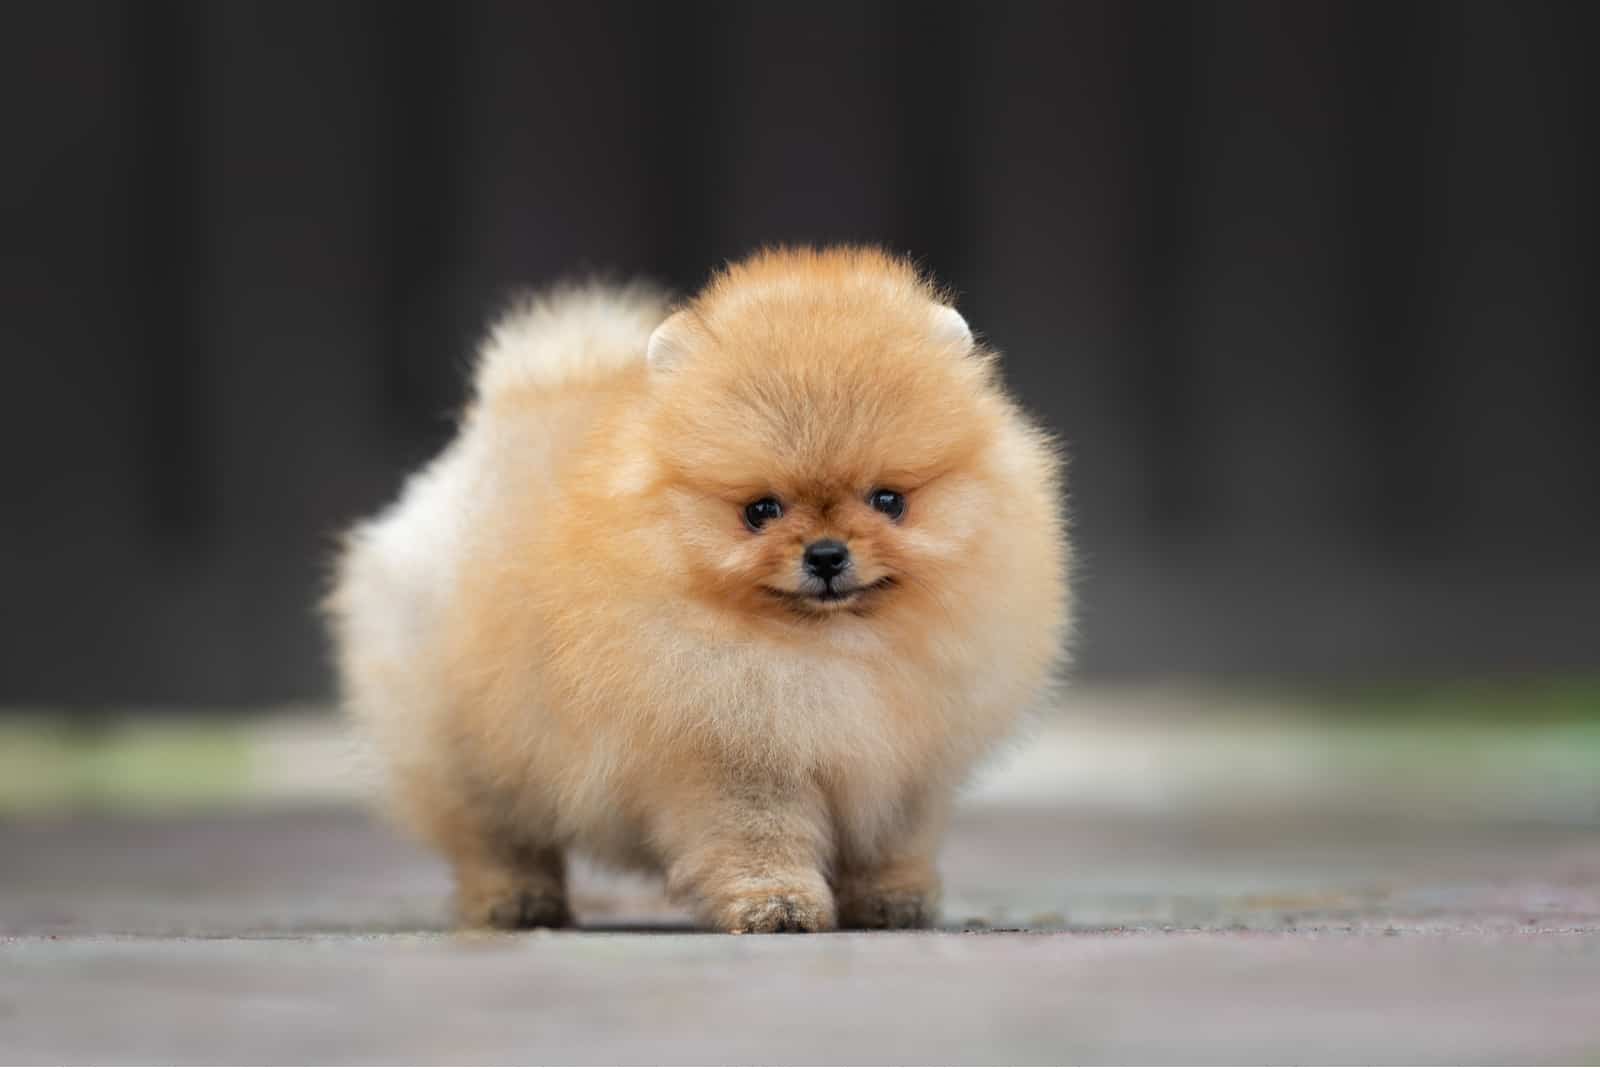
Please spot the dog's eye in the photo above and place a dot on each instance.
(888, 502)
(759, 513)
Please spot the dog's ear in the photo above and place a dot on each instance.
(670, 342)
(949, 328)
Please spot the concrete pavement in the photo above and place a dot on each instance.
(1075, 934)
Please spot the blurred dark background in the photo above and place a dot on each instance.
(1309, 289)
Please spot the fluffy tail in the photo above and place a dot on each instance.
(571, 333)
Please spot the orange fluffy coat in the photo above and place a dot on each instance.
(567, 635)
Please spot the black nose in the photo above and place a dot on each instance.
(826, 558)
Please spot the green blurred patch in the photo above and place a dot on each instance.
(131, 763)
(1507, 702)
(1543, 756)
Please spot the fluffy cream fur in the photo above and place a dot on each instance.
(566, 635)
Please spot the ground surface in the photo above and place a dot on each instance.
(309, 935)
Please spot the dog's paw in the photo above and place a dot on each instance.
(518, 910)
(888, 910)
(773, 911)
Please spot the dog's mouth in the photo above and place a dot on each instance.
(830, 597)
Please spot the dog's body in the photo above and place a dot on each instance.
(745, 611)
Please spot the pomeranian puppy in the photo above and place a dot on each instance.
(738, 594)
